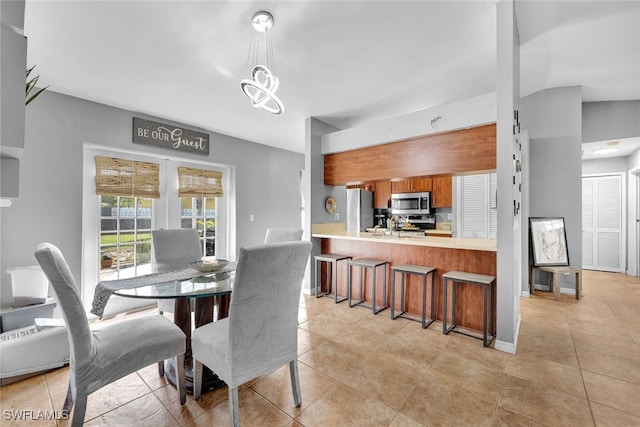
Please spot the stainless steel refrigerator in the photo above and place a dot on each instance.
(359, 209)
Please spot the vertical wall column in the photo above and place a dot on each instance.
(509, 243)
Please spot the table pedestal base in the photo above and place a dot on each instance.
(203, 313)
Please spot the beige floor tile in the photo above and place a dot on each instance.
(504, 418)
(402, 420)
(116, 394)
(606, 416)
(276, 388)
(388, 380)
(325, 325)
(542, 404)
(625, 348)
(308, 340)
(254, 411)
(433, 403)
(192, 408)
(418, 356)
(152, 378)
(430, 338)
(547, 373)
(57, 384)
(472, 349)
(382, 323)
(612, 366)
(548, 344)
(344, 406)
(463, 374)
(26, 402)
(610, 329)
(141, 412)
(331, 358)
(612, 392)
(361, 340)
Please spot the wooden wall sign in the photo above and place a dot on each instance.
(171, 137)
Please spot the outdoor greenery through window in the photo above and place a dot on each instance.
(125, 236)
(200, 213)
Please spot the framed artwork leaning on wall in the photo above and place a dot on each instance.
(548, 241)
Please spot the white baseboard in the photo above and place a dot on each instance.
(508, 347)
(525, 294)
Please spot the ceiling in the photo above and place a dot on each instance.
(344, 62)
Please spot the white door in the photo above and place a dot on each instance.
(602, 225)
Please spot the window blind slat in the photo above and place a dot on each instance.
(127, 178)
(194, 182)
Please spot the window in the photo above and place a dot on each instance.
(125, 236)
(198, 190)
(126, 189)
(477, 206)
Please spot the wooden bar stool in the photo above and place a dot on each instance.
(419, 270)
(556, 273)
(488, 308)
(373, 264)
(331, 261)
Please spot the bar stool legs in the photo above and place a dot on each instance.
(488, 306)
(331, 261)
(417, 270)
(363, 264)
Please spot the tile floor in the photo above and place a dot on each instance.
(578, 364)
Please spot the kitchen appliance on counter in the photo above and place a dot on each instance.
(359, 209)
(411, 203)
(419, 222)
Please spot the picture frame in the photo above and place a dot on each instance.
(548, 241)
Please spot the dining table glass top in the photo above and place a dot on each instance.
(207, 285)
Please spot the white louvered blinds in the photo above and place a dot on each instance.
(479, 213)
(127, 178)
(194, 182)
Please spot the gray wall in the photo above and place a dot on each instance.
(50, 203)
(610, 120)
(553, 118)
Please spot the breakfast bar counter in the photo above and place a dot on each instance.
(442, 253)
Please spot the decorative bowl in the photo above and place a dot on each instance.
(209, 264)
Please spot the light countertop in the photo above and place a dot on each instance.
(432, 241)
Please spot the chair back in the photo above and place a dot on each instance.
(275, 235)
(57, 270)
(179, 243)
(263, 315)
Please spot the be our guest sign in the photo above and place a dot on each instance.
(167, 136)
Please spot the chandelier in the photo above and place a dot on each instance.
(261, 87)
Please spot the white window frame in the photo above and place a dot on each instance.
(225, 213)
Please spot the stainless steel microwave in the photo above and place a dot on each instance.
(411, 203)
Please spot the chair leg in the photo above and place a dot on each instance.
(161, 368)
(197, 379)
(295, 382)
(180, 379)
(233, 407)
(68, 401)
(79, 410)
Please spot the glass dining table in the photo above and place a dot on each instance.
(207, 297)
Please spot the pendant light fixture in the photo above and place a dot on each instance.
(262, 86)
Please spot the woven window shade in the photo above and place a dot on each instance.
(199, 183)
(127, 178)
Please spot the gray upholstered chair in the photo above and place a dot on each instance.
(261, 333)
(173, 250)
(103, 355)
(275, 235)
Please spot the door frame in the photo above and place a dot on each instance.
(623, 217)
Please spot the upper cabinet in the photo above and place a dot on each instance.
(412, 185)
(465, 151)
(442, 192)
(382, 195)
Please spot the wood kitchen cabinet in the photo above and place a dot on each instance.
(441, 194)
(412, 185)
(382, 195)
